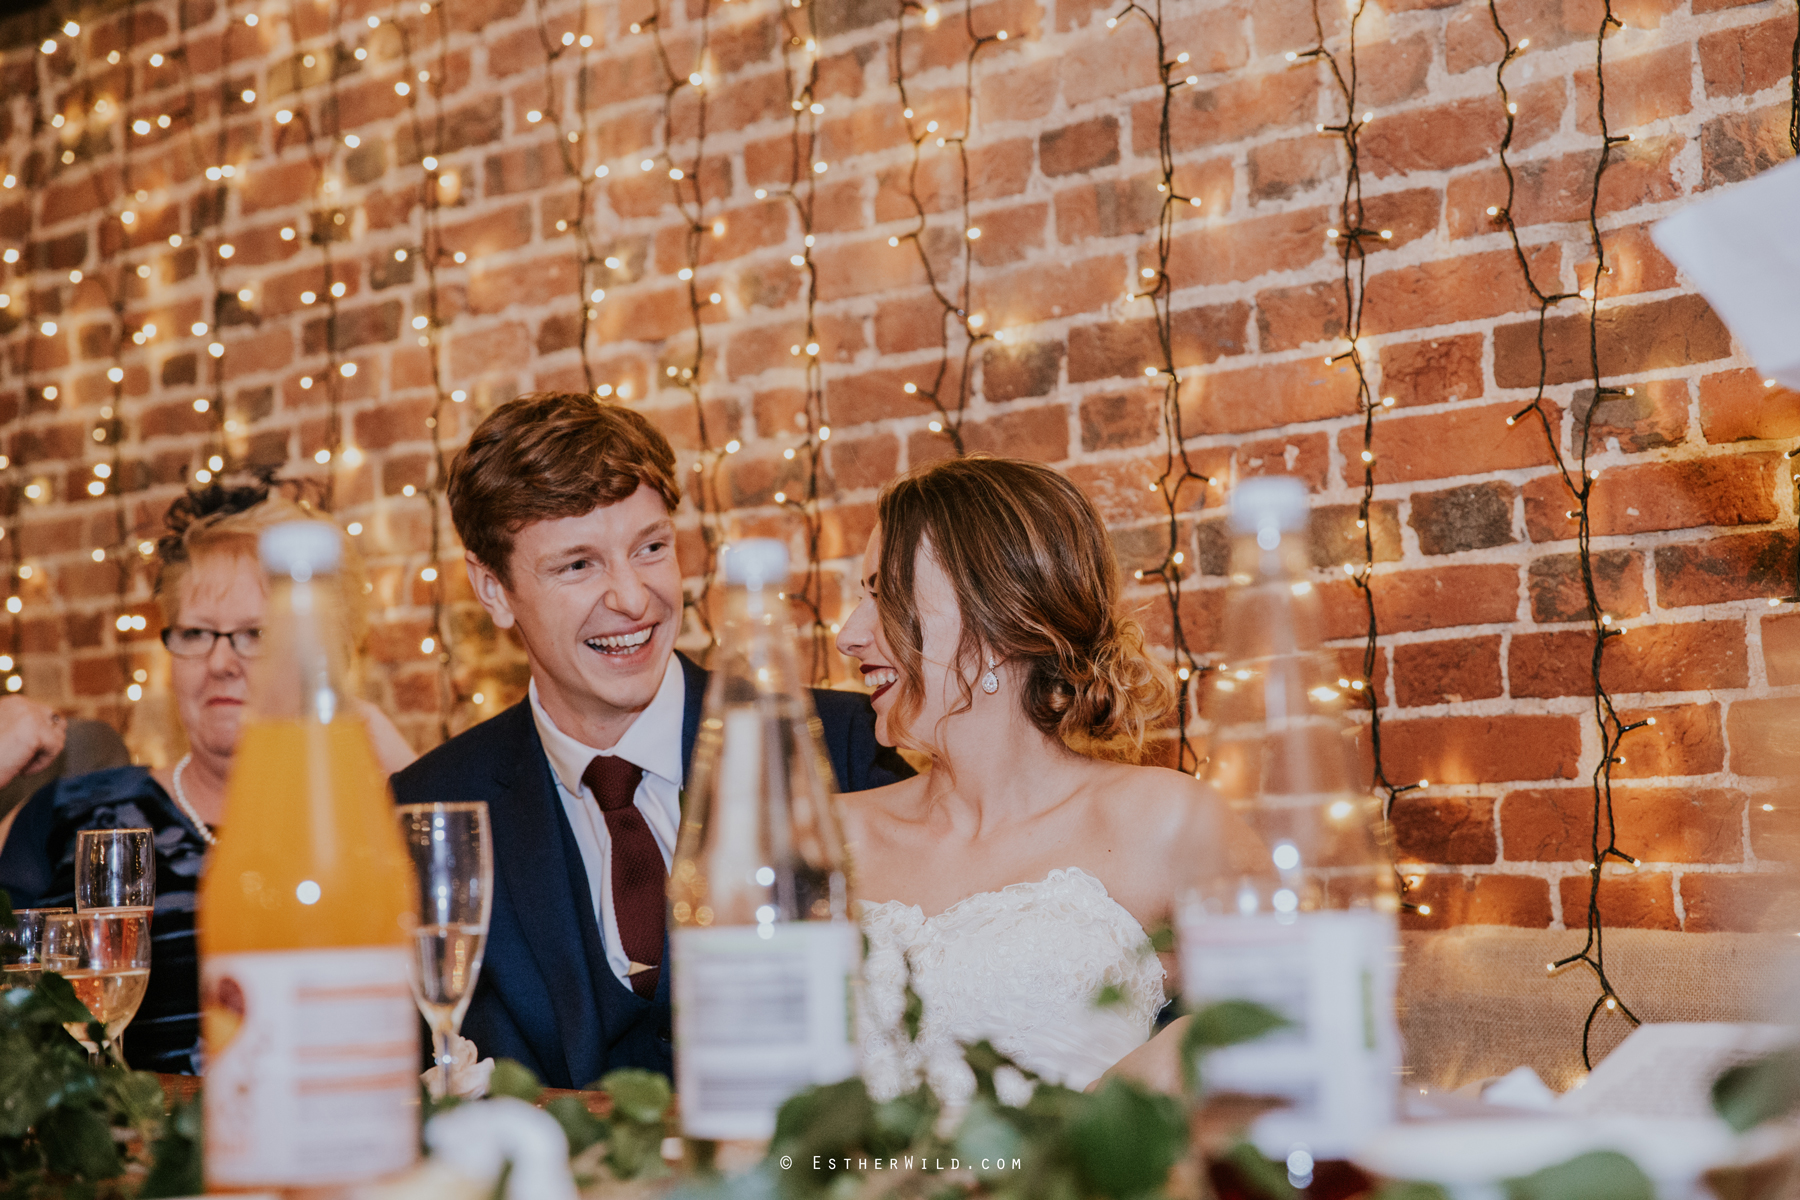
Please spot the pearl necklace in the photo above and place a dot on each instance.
(206, 833)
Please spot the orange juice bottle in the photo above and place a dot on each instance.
(311, 1036)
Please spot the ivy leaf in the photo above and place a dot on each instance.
(78, 1141)
(580, 1126)
(1754, 1092)
(511, 1078)
(914, 1015)
(1125, 1138)
(636, 1151)
(1598, 1175)
(985, 1134)
(637, 1095)
(1228, 1022)
(34, 1078)
(1162, 939)
(1411, 1190)
(59, 1000)
(134, 1095)
(1110, 996)
(177, 1158)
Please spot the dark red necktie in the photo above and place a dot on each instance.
(640, 882)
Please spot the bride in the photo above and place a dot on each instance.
(1013, 882)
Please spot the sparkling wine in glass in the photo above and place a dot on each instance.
(115, 868)
(109, 970)
(454, 857)
(38, 942)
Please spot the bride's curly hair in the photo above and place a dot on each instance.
(1035, 578)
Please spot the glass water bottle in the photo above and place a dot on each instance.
(766, 955)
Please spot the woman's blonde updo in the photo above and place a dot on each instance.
(1034, 574)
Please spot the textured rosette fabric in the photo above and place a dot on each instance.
(1022, 967)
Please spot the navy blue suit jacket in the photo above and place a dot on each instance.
(546, 996)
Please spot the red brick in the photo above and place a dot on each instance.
(1559, 190)
(1641, 89)
(1447, 672)
(1254, 398)
(1024, 93)
(1648, 497)
(1461, 289)
(1738, 903)
(1652, 416)
(1496, 749)
(1558, 593)
(1747, 58)
(1736, 407)
(1445, 829)
(1233, 110)
(1686, 657)
(1041, 290)
(1632, 338)
(1111, 349)
(857, 463)
(1010, 234)
(1748, 566)
(1245, 249)
(1443, 597)
(1637, 901)
(1687, 739)
(1305, 456)
(1763, 737)
(1121, 420)
(1035, 433)
(1279, 170)
(1081, 147)
(1658, 825)
(1461, 441)
(1433, 139)
(1432, 372)
(1478, 900)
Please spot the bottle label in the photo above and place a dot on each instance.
(312, 1066)
(761, 1012)
(1332, 974)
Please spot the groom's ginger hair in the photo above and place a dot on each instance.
(1033, 571)
(548, 455)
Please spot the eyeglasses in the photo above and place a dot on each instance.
(185, 641)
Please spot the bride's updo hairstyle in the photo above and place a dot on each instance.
(1034, 574)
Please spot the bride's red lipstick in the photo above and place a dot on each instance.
(880, 691)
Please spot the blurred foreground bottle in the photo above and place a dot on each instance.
(765, 951)
(1313, 932)
(312, 1041)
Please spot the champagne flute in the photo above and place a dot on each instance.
(454, 857)
(38, 942)
(110, 971)
(115, 868)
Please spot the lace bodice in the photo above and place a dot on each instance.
(1021, 967)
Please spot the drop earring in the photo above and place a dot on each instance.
(990, 683)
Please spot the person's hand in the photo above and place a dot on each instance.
(31, 736)
(392, 750)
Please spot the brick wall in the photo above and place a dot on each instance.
(1481, 666)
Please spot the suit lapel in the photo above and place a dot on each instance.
(531, 848)
(694, 680)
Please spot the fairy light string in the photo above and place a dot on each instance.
(1178, 471)
(949, 390)
(572, 142)
(35, 165)
(688, 187)
(800, 33)
(1579, 483)
(429, 326)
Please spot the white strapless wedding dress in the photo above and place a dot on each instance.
(1021, 967)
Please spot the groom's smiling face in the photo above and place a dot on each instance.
(597, 601)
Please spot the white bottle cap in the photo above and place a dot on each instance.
(755, 562)
(301, 549)
(1273, 503)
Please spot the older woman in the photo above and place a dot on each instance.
(212, 594)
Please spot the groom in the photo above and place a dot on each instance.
(565, 509)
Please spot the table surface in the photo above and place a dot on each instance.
(179, 1089)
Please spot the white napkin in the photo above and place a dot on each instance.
(468, 1078)
(1738, 247)
(478, 1140)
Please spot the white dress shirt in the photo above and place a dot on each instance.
(653, 743)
